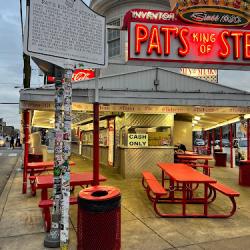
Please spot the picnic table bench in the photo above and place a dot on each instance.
(152, 185)
(187, 176)
(229, 192)
(44, 182)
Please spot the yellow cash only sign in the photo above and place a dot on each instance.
(137, 140)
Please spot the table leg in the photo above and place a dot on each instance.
(162, 178)
(205, 199)
(184, 198)
(44, 194)
(171, 189)
(189, 192)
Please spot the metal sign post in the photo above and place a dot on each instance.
(86, 48)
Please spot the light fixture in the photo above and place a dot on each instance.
(197, 118)
(195, 122)
(247, 116)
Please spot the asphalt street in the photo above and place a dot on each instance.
(8, 160)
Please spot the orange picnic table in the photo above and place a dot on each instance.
(194, 157)
(192, 160)
(44, 182)
(38, 167)
(186, 176)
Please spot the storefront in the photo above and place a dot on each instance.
(140, 127)
(144, 111)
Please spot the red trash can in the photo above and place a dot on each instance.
(244, 173)
(99, 219)
(220, 159)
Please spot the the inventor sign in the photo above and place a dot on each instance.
(137, 140)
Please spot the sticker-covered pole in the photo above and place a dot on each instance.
(52, 239)
(65, 171)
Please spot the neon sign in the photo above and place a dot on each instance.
(179, 43)
(224, 43)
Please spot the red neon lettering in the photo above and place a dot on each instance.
(247, 45)
(167, 31)
(154, 41)
(236, 36)
(185, 49)
(224, 52)
(141, 35)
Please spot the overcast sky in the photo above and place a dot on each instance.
(11, 65)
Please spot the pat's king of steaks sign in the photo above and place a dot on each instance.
(204, 33)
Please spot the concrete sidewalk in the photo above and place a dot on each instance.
(21, 224)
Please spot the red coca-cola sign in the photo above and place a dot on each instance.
(78, 75)
(83, 74)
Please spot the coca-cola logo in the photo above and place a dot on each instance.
(81, 75)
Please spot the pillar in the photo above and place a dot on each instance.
(213, 138)
(96, 145)
(26, 120)
(221, 135)
(248, 139)
(231, 144)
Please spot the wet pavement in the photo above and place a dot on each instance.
(21, 223)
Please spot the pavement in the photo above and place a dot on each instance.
(8, 160)
(21, 224)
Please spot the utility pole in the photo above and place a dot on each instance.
(26, 71)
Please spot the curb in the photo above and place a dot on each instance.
(6, 190)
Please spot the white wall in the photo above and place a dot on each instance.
(183, 133)
(116, 9)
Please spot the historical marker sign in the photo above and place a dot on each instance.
(59, 30)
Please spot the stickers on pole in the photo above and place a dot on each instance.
(65, 169)
(58, 161)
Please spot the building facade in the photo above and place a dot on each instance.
(114, 11)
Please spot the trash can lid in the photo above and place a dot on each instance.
(99, 193)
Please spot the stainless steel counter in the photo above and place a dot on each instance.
(134, 160)
(87, 152)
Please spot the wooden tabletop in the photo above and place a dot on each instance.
(186, 153)
(194, 157)
(44, 164)
(76, 179)
(183, 173)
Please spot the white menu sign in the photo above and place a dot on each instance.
(65, 31)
